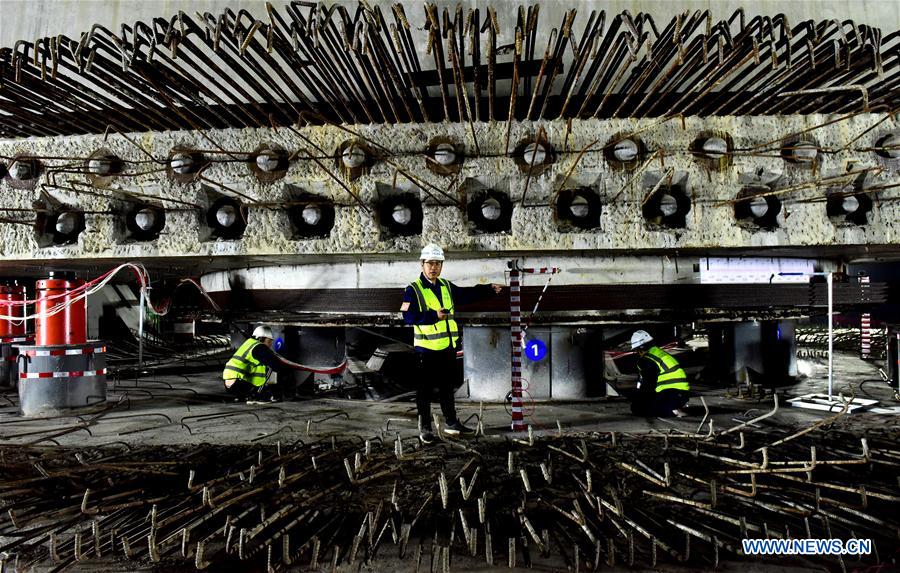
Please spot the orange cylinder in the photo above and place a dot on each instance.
(68, 326)
(8, 295)
(76, 319)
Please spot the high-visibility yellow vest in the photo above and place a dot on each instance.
(242, 366)
(440, 335)
(671, 375)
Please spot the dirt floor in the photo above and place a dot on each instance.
(171, 475)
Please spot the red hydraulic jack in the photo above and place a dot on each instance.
(62, 369)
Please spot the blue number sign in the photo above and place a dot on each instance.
(535, 350)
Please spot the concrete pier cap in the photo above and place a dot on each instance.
(534, 224)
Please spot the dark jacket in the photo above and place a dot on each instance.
(649, 371)
(269, 358)
(461, 295)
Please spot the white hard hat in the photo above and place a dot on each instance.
(432, 252)
(640, 338)
(263, 331)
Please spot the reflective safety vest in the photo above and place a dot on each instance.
(242, 366)
(671, 375)
(440, 335)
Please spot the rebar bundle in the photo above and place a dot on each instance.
(374, 65)
(845, 340)
(584, 500)
(208, 350)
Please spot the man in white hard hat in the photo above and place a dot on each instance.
(663, 389)
(247, 371)
(429, 304)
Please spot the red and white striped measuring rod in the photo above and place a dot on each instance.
(515, 335)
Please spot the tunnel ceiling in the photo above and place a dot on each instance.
(208, 141)
(310, 63)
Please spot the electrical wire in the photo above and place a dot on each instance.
(81, 292)
(72, 296)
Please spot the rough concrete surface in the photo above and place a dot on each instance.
(846, 146)
(138, 419)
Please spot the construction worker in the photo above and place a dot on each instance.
(663, 388)
(428, 306)
(248, 370)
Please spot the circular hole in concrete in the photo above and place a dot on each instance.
(445, 154)
(182, 163)
(66, 223)
(804, 151)
(534, 154)
(850, 204)
(311, 214)
(668, 205)
(23, 169)
(63, 226)
(103, 165)
(226, 218)
(311, 217)
(145, 219)
(353, 157)
(401, 214)
(145, 222)
(490, 209)
(268, 161)
(625, 150)
(226, 215)
(849, 209)
(757, 210)
(759, 207)
(579, 207)
(714, 147)
(667, 208)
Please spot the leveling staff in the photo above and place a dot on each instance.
(428, 306)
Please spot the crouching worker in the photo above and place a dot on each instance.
(248, 370)
(663, 388)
